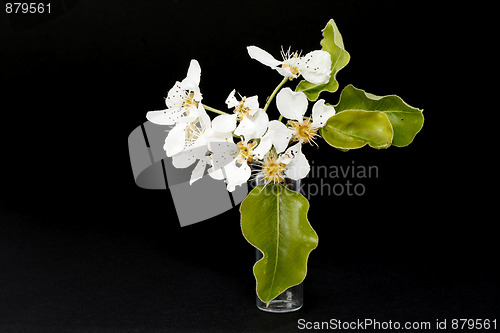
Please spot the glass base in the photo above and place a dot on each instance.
(288, 301)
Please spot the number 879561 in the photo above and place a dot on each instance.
(27, 8)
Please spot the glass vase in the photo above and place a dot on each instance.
(292, 298)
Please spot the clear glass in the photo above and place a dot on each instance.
(292, 298)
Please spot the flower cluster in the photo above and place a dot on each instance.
(274, 147)
(244, 141)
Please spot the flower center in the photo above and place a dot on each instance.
(189, 102)
(193, 132)
(290, 60)
(241, 110)
(245, 152)
(293, 69)
(304, 132)
(273, 170)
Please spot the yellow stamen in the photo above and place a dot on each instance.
(246, 151)
(272, 169)
(190, 102)
(293, 69)
(193, 132)
(290, 61)
(303, 131)
(241, 110)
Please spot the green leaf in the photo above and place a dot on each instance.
(406, 121)
(332, 43)
(355, 128)
(274, 220)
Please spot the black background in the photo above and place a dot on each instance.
(82, 248)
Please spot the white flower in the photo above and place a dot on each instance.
(222, 128)
(247, 106)
(236, 174)
(315, 66)
(186, 143)
(277, 135)
(237, 171)
(229, 160)
(253, 127)
(293, 105)
(182, 100)
(253, 120)
(187, 135)
(292, 164)
(297, 166)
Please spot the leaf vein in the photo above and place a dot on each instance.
(277, 239)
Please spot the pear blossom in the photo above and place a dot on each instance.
(182, 99)
(292, 164)
(315, 66)
(187, 135)
(222, 128)
(277, 136)
(220, 142)
(253, 120)
(297, 166)
(237, 172)
(293, 105)
(186, 143)
(253, 127)
(229, 160)
(247, 106)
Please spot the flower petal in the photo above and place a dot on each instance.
(216, 174)
(231, 100)
(321, 113)
(298, 167)
(252, 127)
(236, 174)
(187, 157)
(175, 140)
(222, 153)
(261, 120)
(264, 146)
(224, 123)
(286, 72)
(315, 67)
(281, 135)
(201, 114)
(176, 96)
(291, 105)
(192, 80)
(199, 170)
(253, 104)
(164, 117)
(290, 153)
(197, 94)
(213, 136)
(262, 56)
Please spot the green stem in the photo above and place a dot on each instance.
(275, 92)
(209, 108)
